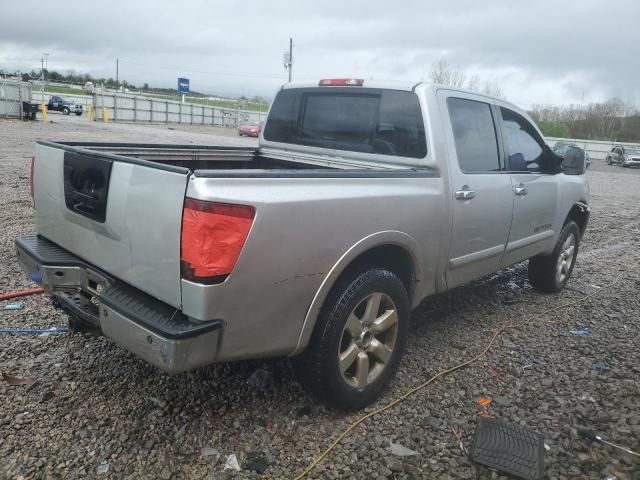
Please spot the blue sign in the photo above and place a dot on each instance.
(183, 85)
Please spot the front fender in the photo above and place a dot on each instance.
(388, 237)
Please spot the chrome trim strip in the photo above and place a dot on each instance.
(525, 242)
(476, 256)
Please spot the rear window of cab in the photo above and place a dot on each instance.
(385, 122)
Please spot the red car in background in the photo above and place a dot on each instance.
(251, 129)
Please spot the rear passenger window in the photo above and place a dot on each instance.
(522, 143)
(474, 135)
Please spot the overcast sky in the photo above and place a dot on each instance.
(538, 52)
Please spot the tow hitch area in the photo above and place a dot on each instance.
(155, 331)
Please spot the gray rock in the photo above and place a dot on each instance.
(103, 468)
(501, 401)
(394, 464)
(401, 450)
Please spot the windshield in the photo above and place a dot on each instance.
(632, 151)
(386, 122)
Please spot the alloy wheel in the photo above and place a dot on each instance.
(565, 258)
(368, 340)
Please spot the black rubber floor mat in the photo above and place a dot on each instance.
(509, 448)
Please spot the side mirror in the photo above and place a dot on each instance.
(574, 161)
(517, 162)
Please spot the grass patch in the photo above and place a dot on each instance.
(63, 90)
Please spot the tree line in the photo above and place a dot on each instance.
(77, 78)
(613, 120)
(74, 78)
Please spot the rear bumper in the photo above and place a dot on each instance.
(156, 332)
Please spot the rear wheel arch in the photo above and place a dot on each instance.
(393, 250)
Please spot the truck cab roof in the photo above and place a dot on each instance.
(408, 86)
(388, 125)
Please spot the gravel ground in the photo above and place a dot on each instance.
(94, 406)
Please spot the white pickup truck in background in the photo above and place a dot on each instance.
(362, 199)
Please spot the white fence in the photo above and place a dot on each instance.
(137, 108)
(12, 94)
(597, 149)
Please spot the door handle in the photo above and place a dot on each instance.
(521, 191)
(465, 194)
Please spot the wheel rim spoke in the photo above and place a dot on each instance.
(565, 259)
(380, 351)
(354, 325)
(348, 356)
(385, 321)
(371, 310)
(362, 369)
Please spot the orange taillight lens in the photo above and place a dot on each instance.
(213, 235)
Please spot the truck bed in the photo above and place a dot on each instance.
(191, 157)
(221, 161)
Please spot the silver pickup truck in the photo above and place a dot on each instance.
(362, 199)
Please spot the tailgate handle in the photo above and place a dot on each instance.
(86, 184)
(85, 202)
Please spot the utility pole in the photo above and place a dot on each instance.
(288, 59)
(45, 57)
(117, 83)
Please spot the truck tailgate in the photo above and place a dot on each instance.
(121, 215)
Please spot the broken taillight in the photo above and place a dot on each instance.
(213, 235)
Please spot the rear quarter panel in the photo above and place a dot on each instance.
(303, 226)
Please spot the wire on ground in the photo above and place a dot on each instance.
(22, 293)
(443, 373)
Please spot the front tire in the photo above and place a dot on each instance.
(65, 111)
(550, 273)
(358, 341)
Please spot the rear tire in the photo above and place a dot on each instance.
(609, 161)
(358, 340)
(550, 273)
